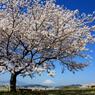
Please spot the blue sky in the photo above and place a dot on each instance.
(87, 6)
(81, 77)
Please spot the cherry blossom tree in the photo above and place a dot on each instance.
(34, 35)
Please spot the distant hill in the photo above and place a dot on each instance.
(35, 85)
(4, 83)
(67, 86)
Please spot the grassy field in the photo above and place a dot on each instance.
(53, 92)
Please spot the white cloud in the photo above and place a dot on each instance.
(48, 82)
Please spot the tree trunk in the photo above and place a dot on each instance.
(13, 82)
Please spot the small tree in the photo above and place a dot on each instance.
(34, 35)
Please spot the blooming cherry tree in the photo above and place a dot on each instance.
(34, 35)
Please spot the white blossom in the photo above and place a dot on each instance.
(51, 73)
(31, 40)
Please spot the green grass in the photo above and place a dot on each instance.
(53, 92)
